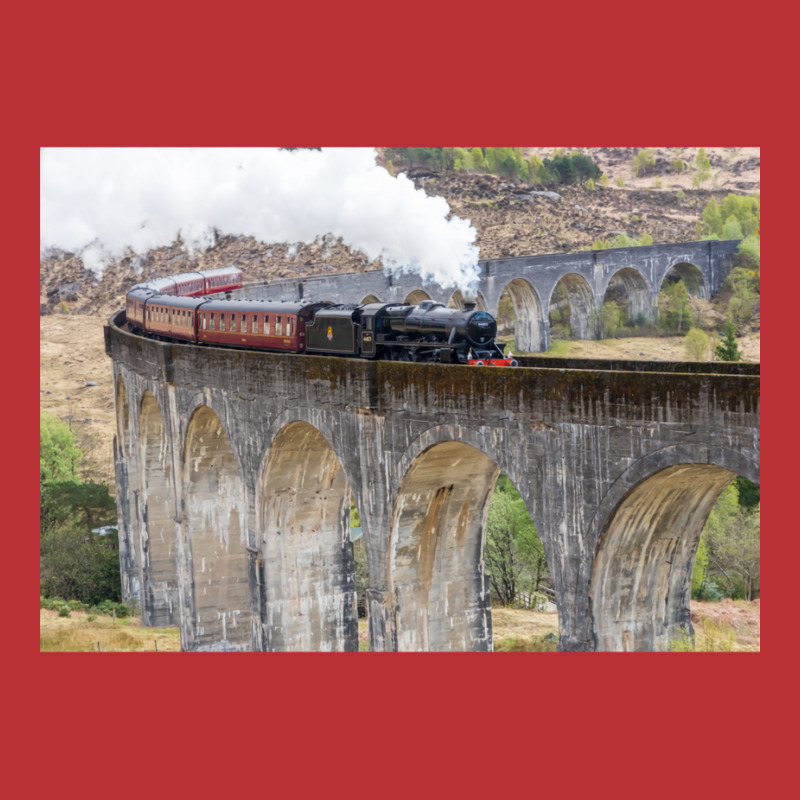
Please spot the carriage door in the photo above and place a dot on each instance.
(368, 336)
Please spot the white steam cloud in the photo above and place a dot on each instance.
(104, 203)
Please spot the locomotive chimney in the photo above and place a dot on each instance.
(469, 303)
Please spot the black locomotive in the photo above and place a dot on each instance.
(427, 332)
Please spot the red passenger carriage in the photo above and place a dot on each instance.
(265, 324)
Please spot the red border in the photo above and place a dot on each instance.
(384, 724)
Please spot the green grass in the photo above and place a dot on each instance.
(522, 644)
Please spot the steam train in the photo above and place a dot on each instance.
(184, 308)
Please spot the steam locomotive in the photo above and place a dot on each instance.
(184, 308)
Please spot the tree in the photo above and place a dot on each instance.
(611, 317)
(673, 302)
(58, 455)
(712, 217)
(514, 554)
(728, 350)
(77, 564)
(750, 248)
(743, 284)
(733, 538)
(697, 345)
(703, 164)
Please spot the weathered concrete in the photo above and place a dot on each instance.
(618, 470)
(630, 275)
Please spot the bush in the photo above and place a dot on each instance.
(63, 610)
(710, 592)
(680, 194)
(110, 608)
(697, 345)
(644, 161)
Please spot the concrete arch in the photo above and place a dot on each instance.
(692, 277)
(309, 568)
(457, 300)
(436, 546)
(629, 288)
(529, 315)
(215, 529)
(579, 306)
(415, 297)
(370, 298)
(159, 539)
(483, 441)
(642, 572)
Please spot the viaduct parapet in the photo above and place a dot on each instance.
(235, 472)
(632, 274)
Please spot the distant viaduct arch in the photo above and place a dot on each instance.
(634, 275)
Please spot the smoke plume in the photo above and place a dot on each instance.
(105, 203)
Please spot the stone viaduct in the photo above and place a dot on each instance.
(235, 472)
(633, 275)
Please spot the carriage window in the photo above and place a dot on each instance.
(222, 322)
(233, 322)
(243, 329)
(290, 326)
(205, 321)
(211, 324)
(266, 323)
(255, 323)
(278, 321)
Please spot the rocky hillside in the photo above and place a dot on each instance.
(512, 219)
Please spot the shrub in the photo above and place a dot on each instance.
(644, 161)
(63, 610)
(697, 345)
(620, 183)
(680, 194)
(678, 165)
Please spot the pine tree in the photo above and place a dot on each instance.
(728, 350)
